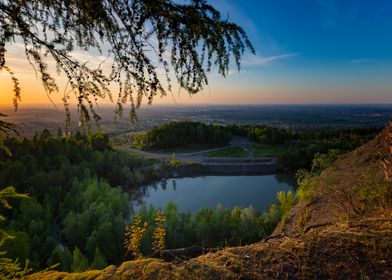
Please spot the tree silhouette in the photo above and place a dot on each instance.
(139, 37)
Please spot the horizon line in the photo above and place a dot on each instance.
(10, 107)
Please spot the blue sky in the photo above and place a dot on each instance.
(342, 47)
(307, 51)
(324, 30)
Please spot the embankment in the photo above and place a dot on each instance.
(226, 167)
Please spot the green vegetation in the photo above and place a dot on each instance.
(268, 150)
(183, 134)
(9, 267)
(262, 134)
(229, 152)
(76, 185)
(294, 149)
(186, 149)
(217, 227)
(345, 233)
(286, 201)
(303, 146)
(307, 180)
(375, 190)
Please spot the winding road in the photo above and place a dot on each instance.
(201, 157)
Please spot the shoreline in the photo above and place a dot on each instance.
(228, 168)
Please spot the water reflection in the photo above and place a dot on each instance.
(230, 191)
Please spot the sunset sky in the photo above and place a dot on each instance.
(307, 51)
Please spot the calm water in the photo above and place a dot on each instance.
(194, 193)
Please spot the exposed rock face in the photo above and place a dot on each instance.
(345, 232)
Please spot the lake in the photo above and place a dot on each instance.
(230, 191)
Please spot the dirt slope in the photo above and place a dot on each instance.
(343, 232)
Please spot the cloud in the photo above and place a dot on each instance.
(261, 60)
(360, 60)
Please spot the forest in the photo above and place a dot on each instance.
(78, 207)
(79, 190)
(219, 227)
(300, 146)
(183, 133)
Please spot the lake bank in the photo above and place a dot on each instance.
(222, 168)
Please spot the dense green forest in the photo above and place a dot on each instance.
(184, 133)
(78, 204)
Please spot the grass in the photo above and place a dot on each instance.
(133, 154)
(187, 149)
(268, 150)
(229, 152)
(184, 149)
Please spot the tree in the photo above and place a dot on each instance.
(139, 37)
(133, 236)
(159, 234)
(79, 261)
(9, 269)
(6, 129)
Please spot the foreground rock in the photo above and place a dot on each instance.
(343, 232)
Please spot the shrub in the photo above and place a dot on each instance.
(286, 201)
(133, 236)
(159, 233)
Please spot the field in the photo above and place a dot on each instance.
(229, 152)
(268, 150)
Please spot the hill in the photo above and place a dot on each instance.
(341, 228)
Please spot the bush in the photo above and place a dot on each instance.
(286, 201)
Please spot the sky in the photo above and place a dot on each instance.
(307, 51)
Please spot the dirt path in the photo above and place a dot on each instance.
(202, 157)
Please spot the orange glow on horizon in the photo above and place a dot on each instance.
(247, 87)
(34, 94)
(231, 90)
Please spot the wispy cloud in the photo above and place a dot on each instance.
(261, 60)
(360, 60)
